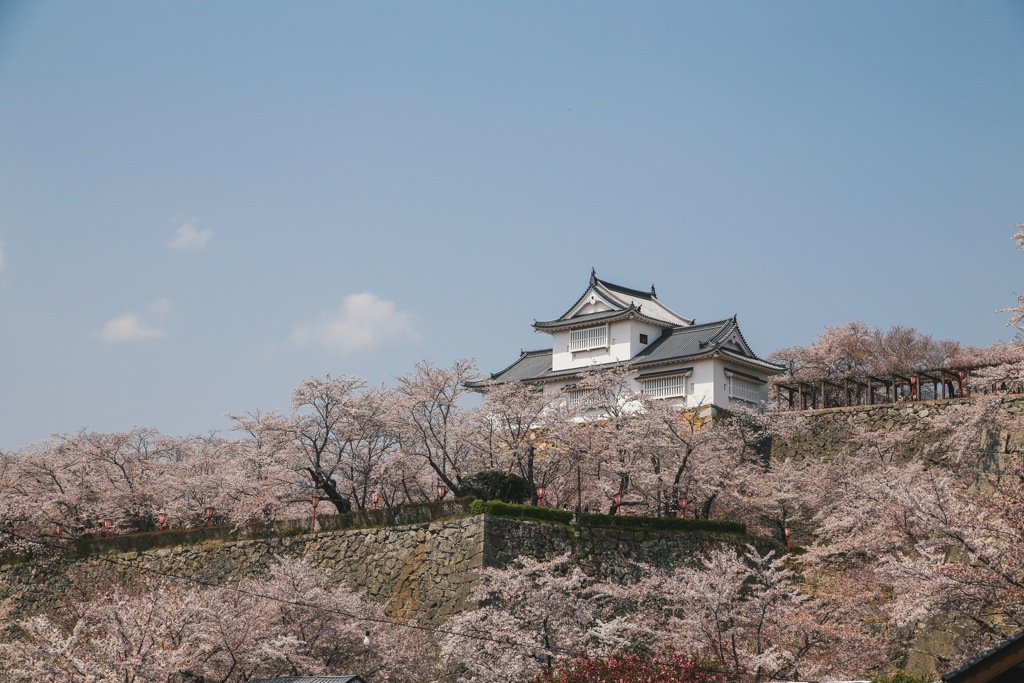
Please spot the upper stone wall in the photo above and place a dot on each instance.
(826, 432)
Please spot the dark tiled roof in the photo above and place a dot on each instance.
(530, 366)
(961, 672)
(681, 342)
(626, 290)
(622, 298)
(677, 344)
(309, 679)
(698, 340)
(588, 318)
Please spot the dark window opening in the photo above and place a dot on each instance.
(643, 338)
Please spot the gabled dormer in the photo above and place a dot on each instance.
(608, 323)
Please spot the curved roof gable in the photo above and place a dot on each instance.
(697, 340)
(605, 299)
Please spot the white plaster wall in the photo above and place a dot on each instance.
(707, 383)
(623, 344)
(703, 383)
(722, 385)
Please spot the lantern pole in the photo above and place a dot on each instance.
(579, 494)
(314, 501)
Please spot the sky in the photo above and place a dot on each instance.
(203, 204)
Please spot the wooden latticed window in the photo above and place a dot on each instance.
(744, 389)
(665, 387)
(589, 338)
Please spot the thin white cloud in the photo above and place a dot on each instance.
(161, 308)
(129, 328)
(364, 321)
(188, 237)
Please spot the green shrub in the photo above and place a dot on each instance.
(477, 507)
(663, 523)
(501, 509)
(496, 485)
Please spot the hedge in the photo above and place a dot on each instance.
(500, 509)
(663, 523)
(355, 519)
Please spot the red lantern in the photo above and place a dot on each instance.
(209, 514)
(786, 530)
(162, 519)
(540, 495)
(375, 499)
(107, 524)
(442, 491)
(314, 501)
(617, 498)
(683, 502)
(60, 528)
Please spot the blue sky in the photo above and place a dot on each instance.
(201, 204)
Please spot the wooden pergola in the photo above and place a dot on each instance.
(943, 383)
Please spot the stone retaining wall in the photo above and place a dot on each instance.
(424, 570)
(612, 554)
(826, 432)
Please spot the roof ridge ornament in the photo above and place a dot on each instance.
(593, 276)
(653, 293)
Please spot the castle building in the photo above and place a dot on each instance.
(669, 356)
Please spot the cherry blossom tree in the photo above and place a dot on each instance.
(1017, 310)
(289, 623)
(338, 433)
(742, 610)
(511, 431)
(635, 668)
(532, 616)
(434, 425)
